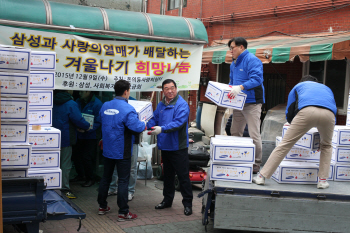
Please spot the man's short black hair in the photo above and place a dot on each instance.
(166, 81)
(308, 78)
(120, 87)
(238, 41)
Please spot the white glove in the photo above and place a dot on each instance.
(155, 130)
(235, 90)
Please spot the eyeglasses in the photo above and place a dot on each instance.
(170, 88)
(231, 48)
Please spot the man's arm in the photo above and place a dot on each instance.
(76, 117)
(154, 120)
(292, 105)
(180, 119)
(133, 123)
(255, 74)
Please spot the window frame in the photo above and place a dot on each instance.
(344, 109)
(169, 4)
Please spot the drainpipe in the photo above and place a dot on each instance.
(180, 7)
(144, 6)
(162, 7)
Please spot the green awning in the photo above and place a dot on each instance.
(280, 49)
(94, 21)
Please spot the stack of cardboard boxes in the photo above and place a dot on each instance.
(46, 142)
(14, 78)
(301, 164)
(341, 153)
(231, 158)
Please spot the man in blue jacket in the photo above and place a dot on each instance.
(119, 122)
(246, 75)
(67, 118)
(170, 123)
(85, 153)
(310, 104)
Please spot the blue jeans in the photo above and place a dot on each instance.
(123, 166)
(133, 173)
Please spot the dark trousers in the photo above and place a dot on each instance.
(177, 162)
(123, 169)
(85, 153)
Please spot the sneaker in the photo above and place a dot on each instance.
(322, 184)
(259, 179)
(112, 193)
(102, 211)
(126, 217)
(70, 195)
(130, 196)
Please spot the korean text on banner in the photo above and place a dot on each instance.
(95, 65)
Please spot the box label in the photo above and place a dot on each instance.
(12, 157)
(233, 172)
(52, 179)
(296, 175)
(14, 133)
(14, 59)
(45, 140)
(42, 61)
(298, 154)
(14, 109)
(342, 173)
(45, 159)
(233, 154)
(40, 99)
(42, 80)
(14, 85)
(14, 173)
(213, 93)
(40, 117)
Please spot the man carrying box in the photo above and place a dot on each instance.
(170, 123)
(119, 122)
(310, 104)
(246, 75)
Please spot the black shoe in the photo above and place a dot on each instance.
(162, 205)
(188, 211)
(88, 183)
(77, 179)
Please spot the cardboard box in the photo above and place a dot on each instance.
(232, 172)
(310, 140)
(143, 108)
(14, 109)
(342, 172)
(41, 99)
(43, 60)
(341, 154)
(14, 133)
(302, 155)
(14, 173)
(52, 178)
(42, 80)
(14, 59)
(296, 173)
(228, 152)
(341, 136)
(235, 138)
(14, 84)
(41, 117)
(45, 160)
(89, 118)
(348, 118)
(218, 93)
(48, 138)
(15, 156)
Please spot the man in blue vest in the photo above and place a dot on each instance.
(85, 151)
(119, 122)
(246, 75)
(170, 123)
(310, 104)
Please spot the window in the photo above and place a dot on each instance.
(174, 4)
(335, 75)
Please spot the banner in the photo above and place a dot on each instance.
(95, 65)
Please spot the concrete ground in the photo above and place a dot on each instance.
(149, 219)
